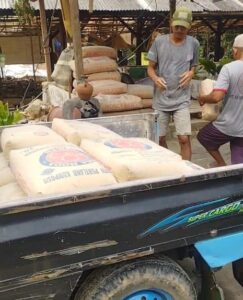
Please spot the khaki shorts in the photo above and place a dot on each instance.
(181, 118)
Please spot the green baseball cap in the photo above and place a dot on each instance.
(182, 17)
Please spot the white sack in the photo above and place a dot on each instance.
(130, 159)
(26, 136)
(74, 131)
(10, 193)
(58, 169)
(6, 176)
(210, 111)
(3, 161)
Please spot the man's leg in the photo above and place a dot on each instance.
(182, 122)
(185, 144)
(236, 147)
(162, 141)
(163, 119)
(211, 139)
(220, 162)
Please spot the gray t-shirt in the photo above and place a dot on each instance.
(230, 80)
(172, 62)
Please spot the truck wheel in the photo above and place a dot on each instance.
(144, 279)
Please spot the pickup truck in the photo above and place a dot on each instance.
(125, 241)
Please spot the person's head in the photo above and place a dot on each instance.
(84, 90)
(181, 22)
(238, 47)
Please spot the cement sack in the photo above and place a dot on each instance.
(94, 51)
(3, 161)
(96, 65)
(147, 103)
(10, 193)
(26, 136)
(74, 131)
(122, 102)
(55, 169)
(140, 90)
(210, 111)
(6, 176)
(156, 147)
(62, 71)
(108, 87)
(129, 159)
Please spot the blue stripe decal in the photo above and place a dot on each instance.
(220, 251)
(187, 216)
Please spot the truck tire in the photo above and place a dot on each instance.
(156, 278)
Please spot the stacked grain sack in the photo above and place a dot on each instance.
(100, 67)
(145, 92)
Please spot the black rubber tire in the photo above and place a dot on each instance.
(118, 281)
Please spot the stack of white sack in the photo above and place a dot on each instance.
(9, 189)
(210, 111)
(17, 138)
(145, 92)
(74, 131)
(55, 169)
(131, 159)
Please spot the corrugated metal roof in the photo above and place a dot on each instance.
(233, 5)
(138, 5)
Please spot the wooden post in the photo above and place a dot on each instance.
(172, 8)
(77, 45)
(45, 39)
(217, 43)
(91, 6)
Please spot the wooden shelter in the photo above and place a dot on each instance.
(139, 18)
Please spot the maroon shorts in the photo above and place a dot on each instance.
(211, 139)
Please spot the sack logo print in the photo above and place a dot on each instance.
(64, 158)
(128, 144)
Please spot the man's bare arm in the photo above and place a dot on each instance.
(214, 97)
(159, 81)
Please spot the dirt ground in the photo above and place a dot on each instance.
(232, 290)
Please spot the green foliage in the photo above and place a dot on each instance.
(209, 66)
(210, 69)
(24, 11)
(7, 117)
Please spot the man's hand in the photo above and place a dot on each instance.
(186, 78)
(160, 83)
(201, 100)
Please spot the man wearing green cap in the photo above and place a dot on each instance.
(172, 60)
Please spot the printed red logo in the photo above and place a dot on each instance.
(64, 158)
(128, 144)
